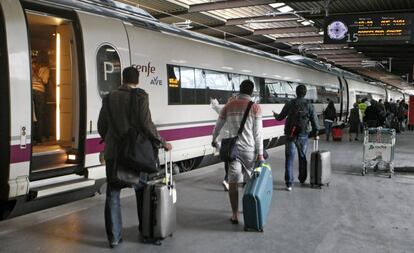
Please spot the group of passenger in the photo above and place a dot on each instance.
(299, 112)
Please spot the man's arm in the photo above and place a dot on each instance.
(257, 131)
(102, 120)
(284, 113)
(146, 122)
(219, 124)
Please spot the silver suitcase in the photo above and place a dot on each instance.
(320, 168)
(159, 207)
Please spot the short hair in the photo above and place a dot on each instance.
(130, 75)
(301, 91)
(246, 87)
(42, 58)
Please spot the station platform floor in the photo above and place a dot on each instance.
(371, 213)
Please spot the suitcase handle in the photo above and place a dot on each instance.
(168, 174)
(315, 145)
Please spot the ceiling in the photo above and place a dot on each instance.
(293, 27)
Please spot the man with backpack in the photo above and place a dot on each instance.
(299, 112)
(130, 108)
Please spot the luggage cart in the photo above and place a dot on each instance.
(378, 153)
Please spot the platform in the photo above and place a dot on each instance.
(355, 214)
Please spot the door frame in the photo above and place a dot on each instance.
(70, 15)
(4, 113)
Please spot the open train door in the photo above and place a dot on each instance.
(106, 53)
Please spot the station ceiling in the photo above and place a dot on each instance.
(293, 27)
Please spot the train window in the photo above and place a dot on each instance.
(326, 92)
(312, 93)
(109, 69)
(174, 94)
(218, 86)
(187, 86)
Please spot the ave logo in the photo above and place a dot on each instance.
(156, 81)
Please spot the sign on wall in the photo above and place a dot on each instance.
(374, 29)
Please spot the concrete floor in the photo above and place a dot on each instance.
(355, 214)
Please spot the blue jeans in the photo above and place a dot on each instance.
(300, 144)
(113, 218)
(328, 129)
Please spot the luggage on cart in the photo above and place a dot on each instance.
(257, 198)
(320, 169)
(159, 207)
(337, 133)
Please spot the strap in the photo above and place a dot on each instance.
(246, 113)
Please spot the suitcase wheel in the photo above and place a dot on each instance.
(311, 185)
(390, 176)
(327, 184)
(246, 229)
(260, 230)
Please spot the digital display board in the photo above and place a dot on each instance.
(375, 29)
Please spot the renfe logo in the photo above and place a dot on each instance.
(145, 68)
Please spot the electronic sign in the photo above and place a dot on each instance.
(372, 29)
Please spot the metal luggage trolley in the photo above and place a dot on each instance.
(379, 146)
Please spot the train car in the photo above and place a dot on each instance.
(88, 43)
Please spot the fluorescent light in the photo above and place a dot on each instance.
(321, 33)
(246, 71)
(228, 68)
(57, 86)
(284, 9)
(276, 5)
(306, 23)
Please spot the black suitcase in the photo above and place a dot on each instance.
(159, 207)
(320, 169)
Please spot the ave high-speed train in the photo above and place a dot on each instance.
(88, 43)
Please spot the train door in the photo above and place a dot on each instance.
(55, 95)
(4, 114)
(106, 52)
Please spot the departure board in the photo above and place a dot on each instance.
(375, 29)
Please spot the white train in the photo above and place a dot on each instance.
(88, 43)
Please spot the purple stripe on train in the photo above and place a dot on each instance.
(94, 146)
(18, 155)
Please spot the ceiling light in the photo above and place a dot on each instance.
(276, 5)
(321, 33)
(306, 23)
(284, 9)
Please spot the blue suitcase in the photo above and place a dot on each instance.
(257, 198)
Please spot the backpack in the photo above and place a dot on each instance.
(298, 117)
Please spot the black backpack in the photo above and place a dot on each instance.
(298, 117)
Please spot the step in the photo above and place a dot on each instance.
(53, 170)
(44, 191)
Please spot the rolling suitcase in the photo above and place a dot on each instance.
(337, 133)
(320, 169)
(159, 207)
(257, 198)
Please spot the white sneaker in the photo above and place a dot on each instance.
(288, 188)
(226, 185)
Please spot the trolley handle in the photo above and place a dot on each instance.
(315, 144)
(168, 168)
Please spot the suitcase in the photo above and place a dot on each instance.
(320, 169)
(159, 207)
(257, 198)
(337, 134)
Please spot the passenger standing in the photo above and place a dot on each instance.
(402, 114)
(354, 122)
(40, 79)
(249, 144)
(372, 115)
(139, 114)
(299, 112)
(329, 116)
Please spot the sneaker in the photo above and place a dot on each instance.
(114, 244)
(288, 188)
(225, 185)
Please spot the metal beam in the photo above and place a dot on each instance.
(282, 30)
(242, 21)
(221, 5)
(300, 39)
(331, 52)
(366, 13)
(167, 15)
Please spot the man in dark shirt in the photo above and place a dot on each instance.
(299, 112)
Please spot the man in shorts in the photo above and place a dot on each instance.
(249, 143)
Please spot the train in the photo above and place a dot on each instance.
(88, 43)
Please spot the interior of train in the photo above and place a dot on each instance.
(55, 96)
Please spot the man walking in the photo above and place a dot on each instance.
(299, 112)
(249, 143)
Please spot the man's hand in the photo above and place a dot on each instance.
(274, 114)
(167, 146)
(260, 158)
(214, 144)
(316, 137)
